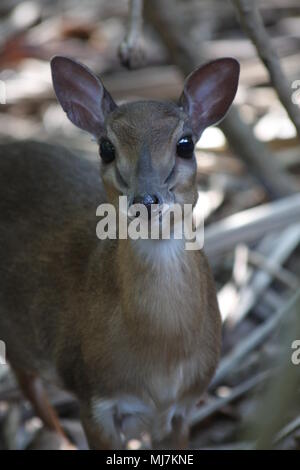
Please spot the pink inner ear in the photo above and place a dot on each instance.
(209, 92)
(81, 94)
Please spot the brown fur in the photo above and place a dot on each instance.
(74, 307)
(132, 328)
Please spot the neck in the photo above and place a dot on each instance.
(157, 279)
(158, 254)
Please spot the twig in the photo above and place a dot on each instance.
(253, 25)
(251, 225)
(187, 55)
(283, 391)
(274, 269)
(207, 410)
(234, 359)
(257, 157)
(278, 252)
(288, 429)
(131, 52)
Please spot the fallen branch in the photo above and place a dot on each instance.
(251, 225)
(131, 52)
(282, 396)
(253, 25)
(274, 269)
(270, 267)
(288, 429)
(233, 360)
(207, 410)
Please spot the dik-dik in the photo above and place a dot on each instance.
(131, 327)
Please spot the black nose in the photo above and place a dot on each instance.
(147, 200)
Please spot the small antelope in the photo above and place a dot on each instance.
(131, 327)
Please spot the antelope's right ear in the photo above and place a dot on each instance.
(81, 95)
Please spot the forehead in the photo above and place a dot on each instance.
(147, 121)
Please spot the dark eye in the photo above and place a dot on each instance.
(185, 147)
(107, 151)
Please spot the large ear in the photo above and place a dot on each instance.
(81, 94)
(209, 91)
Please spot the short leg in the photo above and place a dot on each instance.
(97, 436)
(34, 391)
(177, 439)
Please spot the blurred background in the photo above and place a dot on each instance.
(248, 175)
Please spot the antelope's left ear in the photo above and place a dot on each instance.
(209, 92)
